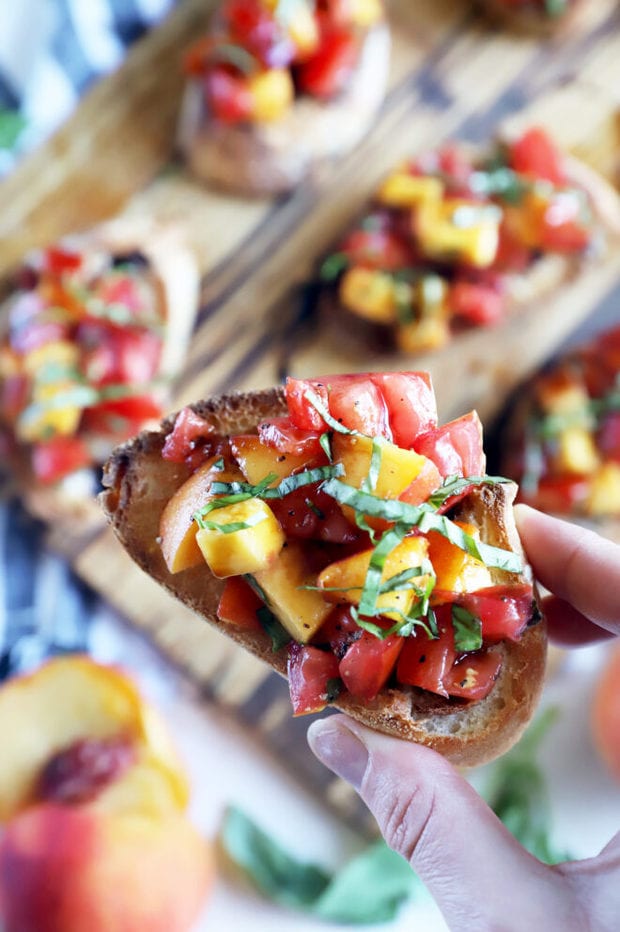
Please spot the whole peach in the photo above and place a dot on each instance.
(72, 869)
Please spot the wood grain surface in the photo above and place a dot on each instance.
(452, 75)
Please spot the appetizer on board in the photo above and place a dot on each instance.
(93, 330)
(338, 532)
(562, 442)
(276, 88)
(459, 238)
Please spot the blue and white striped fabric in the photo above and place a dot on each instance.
(52, 50)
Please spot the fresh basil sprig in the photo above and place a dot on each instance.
(467, 629)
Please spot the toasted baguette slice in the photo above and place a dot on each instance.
(272, 158)
(138, 484)
(174, 272)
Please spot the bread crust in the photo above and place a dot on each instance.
(272, 158)
(176, 278)
(138, 483)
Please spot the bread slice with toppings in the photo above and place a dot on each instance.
(138, 484)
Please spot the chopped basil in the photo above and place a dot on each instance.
(370, 482)
(219, 464)
(316, 403)
(333, 266)
(236, 55)
(368, 889)
(274, 628)
(555, 7)
(370, 593)
(454, 485)
(467, 629)
(426, 519)
(326, 445)
(230, 527)
(501, 182)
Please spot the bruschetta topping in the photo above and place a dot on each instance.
(79, 360)
(567, 454)
(447, 230)
(340, 534)
(262, 54)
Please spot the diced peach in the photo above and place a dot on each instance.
(177, 529)
(421, 336)
(272, 94)
(402, 473)
(369, 294)
(346, 577)
(456, 570)
(258, 460)
(301, 611)
(252, 547)
(457, 227)
(402, 189)
(72, 869)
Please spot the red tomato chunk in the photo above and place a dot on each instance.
(310, 671)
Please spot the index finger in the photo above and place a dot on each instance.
(575, 564)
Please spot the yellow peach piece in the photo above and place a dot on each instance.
(402, 189)
(576, 451)
(258, 460)
(456, 570)
(369, 294)
(604, 496)
(250, 547)
(458, 228)
(272, 94)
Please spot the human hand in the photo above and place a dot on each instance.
(480, 876)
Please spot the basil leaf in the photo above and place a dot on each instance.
(333, 266)
(454, 485)
(467, 629)
(426, 519)
(372, 583)
(326, 445)
(228, 528)
(370, 482)
(369, 889)
(518, 794)
(270, 868)
(264, 489)
(274, 628)
(318, 405)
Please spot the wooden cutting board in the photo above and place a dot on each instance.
(452, 75)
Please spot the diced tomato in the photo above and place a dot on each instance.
(326, 73)
(352, 400)
(511, 255)
(122, 289)
(424, 483)
(309, 673)
(456, 167)
(426, 662)
(128, 356)
(258, 30)
(228, 96)
(536, 155)
(473, 677)
(55, 458)
(188, 428)
(58, 261)
(239, 604)
(359, 405)
(138, 408)
(376, 246)
(504, 611)
(310, 514)
(456, 447)
(476, 303)
(339, 630)
(282, 434)
(14, 396)
(563, 228)
(561, 494)
(368, 663)
(609, 436)
(411, 404)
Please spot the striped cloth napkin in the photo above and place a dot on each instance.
(50, 52)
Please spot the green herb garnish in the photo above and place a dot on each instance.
(333, 266)
(316, 403)
(426, 519)
(467, 629)
(274, 628)
(369, 889)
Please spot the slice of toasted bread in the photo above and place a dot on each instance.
(272, 158)
(138, 484)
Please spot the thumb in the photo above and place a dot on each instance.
(480, 877)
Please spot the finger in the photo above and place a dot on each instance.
(428, 813)
(575, 564)
(569, 628)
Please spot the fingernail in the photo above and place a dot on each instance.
(339, 749)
